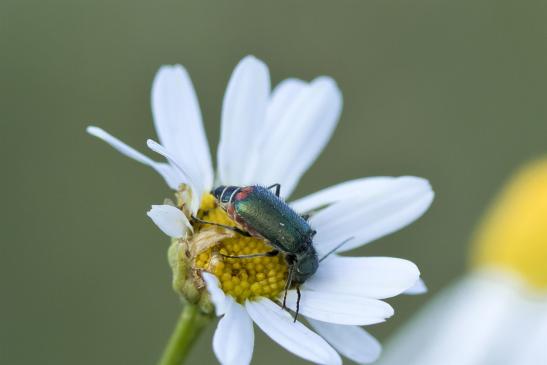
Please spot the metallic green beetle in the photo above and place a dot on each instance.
(262, 214)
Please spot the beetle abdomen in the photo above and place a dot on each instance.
(262, 213)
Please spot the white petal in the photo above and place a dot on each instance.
(166, 171)
(170, 220)
(233, 340)
(340, 308)
(371, 217)
(293, 336)
(351, 341)
(217, 295)
(177, 119)
(460, 326)
(362, 188)
(293, 142)
(418, 288)
(197, 189)
(243, 114)
(373, 277)
(283, 96)
(532, 349)
(513, 346)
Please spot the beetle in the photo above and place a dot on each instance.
(263, 214)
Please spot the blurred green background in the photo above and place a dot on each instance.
(454, 91)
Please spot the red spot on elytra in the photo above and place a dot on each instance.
(243, 193)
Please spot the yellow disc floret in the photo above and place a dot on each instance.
(514, 234)
(241, 278)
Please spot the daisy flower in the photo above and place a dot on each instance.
(272, 137)
(497, 313)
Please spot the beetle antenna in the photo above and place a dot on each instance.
(235, 229)
(263, 254)
(336, 248)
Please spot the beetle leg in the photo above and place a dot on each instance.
(297, 302)
(262, 254)
(277, 188)
(235, 229)
(288, 285)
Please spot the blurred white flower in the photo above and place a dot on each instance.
(497, 313)
(273, 137)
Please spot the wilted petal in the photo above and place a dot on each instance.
(170, 220)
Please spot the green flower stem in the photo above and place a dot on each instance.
(190, 324)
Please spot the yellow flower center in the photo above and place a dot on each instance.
(241, 278)
(514, 233)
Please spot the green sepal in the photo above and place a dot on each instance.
(187, 283)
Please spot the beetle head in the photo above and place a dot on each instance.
(224, 194)
(305, 266)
